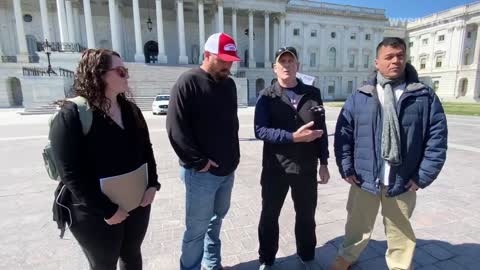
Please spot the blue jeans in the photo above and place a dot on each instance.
(207, 202)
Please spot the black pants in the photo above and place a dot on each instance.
(104, 244)
(304, 195)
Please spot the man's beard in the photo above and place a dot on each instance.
(220, 76)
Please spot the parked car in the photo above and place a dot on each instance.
(160, 104)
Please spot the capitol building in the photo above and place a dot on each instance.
(160, 39)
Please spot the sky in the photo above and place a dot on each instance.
(405, 8)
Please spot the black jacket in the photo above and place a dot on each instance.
(202, 122)
(107, 150)
(276, 119)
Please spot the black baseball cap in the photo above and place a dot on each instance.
(290, 50)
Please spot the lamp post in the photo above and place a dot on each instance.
(48, 51)
(149, 20)
(149, 24)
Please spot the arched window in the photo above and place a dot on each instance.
(332, 57)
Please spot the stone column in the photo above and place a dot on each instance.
(89, 24)
(323, 60)
(374, 41)
(345, 39)
(119, 24)
(234, 25)
(45, 25)
(267, 62)
(275, 38)
(183, 58)
(220, 16)
(139, 55)
(476, 55)
(62, 21)
(162, 57)
(282, 31)
(462, 30)
(417, 49)
(361, 41)
(235, 65)
(76, 24)
(462, 34)
(451, 41)
(112, 9)
(251, 54)
(70, 27)
(22, 57)
(201, 29)
(304, 63)
(433, 58)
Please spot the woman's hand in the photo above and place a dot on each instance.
(118, 217)
(148, 197)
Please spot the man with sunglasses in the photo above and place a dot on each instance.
(202, 126)
(290, 119)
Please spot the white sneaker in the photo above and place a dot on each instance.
(265, 267)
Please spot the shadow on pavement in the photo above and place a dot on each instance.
(429, 254)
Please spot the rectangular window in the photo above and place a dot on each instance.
(353, 36)
(368, 37)
(410, 44)
(333, 34)
(351, 61)
(441, 38)
(350, 87)
(313, 59)
(435, 85)
(313, 33)
(366, 60)
(425, 41)
(438, 61)
(331, 88)
(423, 63)
(469, 34)
(296, 32)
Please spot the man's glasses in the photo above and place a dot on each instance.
(121, 71)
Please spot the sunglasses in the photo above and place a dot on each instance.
(121, 71)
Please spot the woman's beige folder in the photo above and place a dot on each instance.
(126, 190)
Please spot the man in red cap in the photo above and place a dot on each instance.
(202, 126)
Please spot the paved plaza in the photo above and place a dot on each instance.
(446, 218)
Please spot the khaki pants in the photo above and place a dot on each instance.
(362, 210)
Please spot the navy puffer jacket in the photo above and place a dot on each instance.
(423, 135)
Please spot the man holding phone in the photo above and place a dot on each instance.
(290, 119)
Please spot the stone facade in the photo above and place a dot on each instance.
(445, 49)
(336, 43)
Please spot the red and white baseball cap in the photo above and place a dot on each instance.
(223, 46)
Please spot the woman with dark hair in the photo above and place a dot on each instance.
(117, 143)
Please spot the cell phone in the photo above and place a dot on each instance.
(318, 115)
